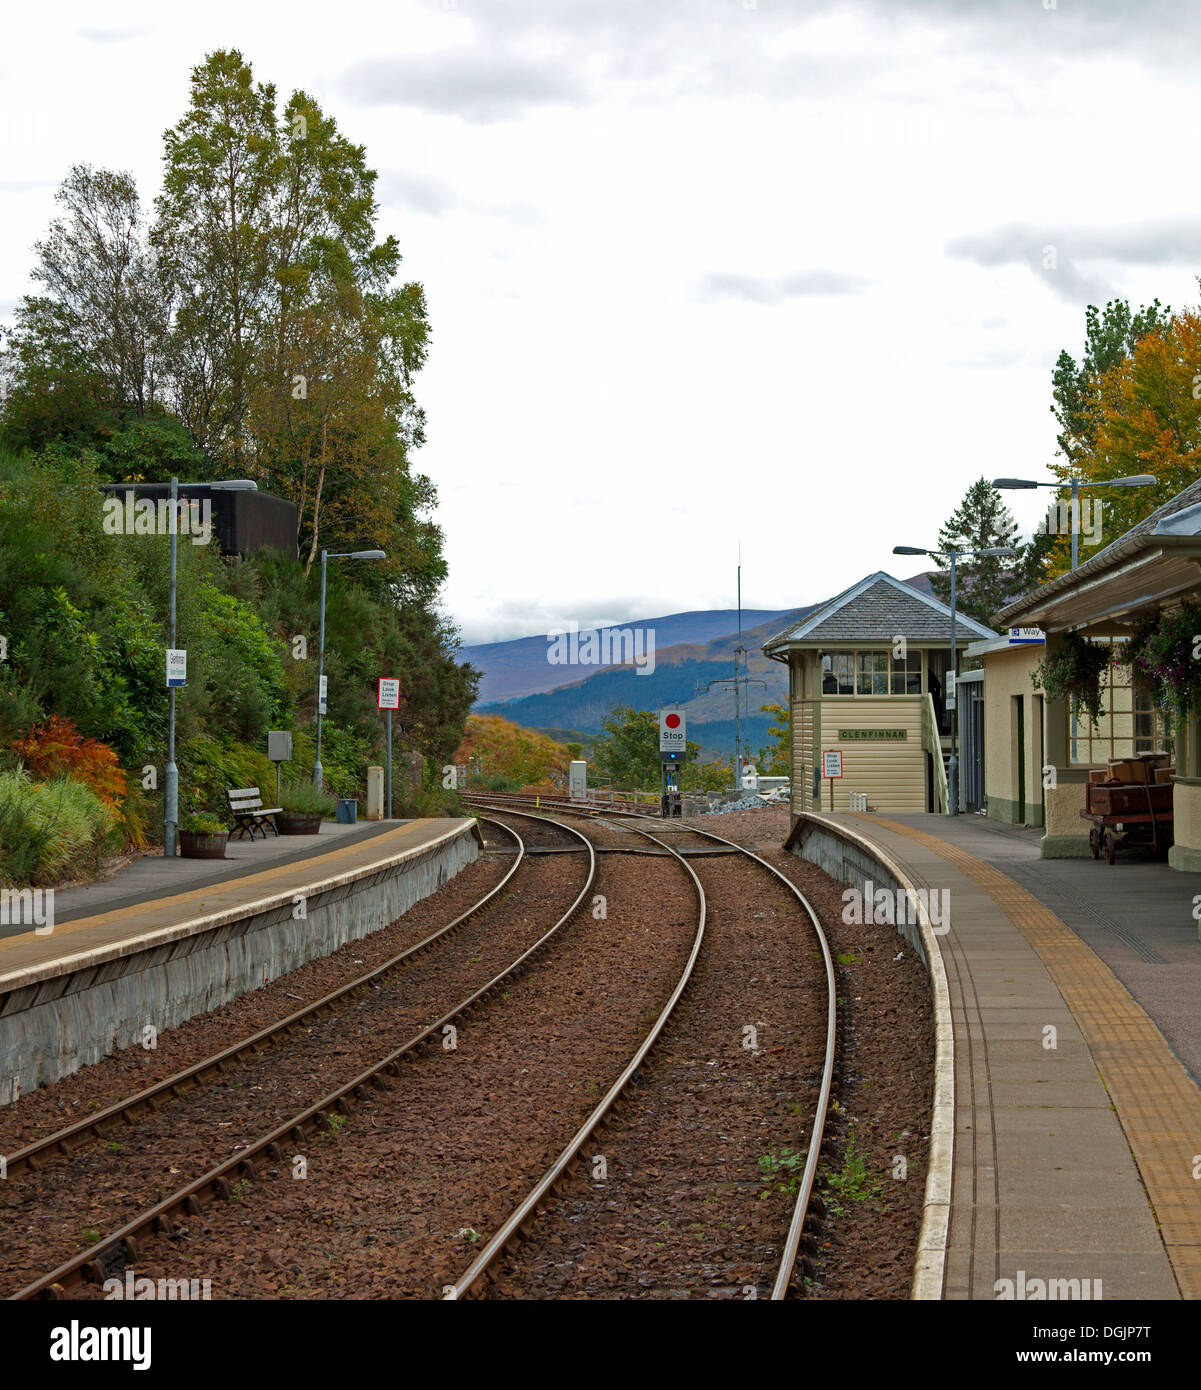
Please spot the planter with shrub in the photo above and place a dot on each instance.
(304, 805)
(202, 836)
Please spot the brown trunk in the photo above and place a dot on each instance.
(317, 504)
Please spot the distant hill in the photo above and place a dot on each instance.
(691, 649)
(519, 667)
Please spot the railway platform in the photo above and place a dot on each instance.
(1072, 991)
(167, 939)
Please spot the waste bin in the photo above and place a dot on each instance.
(348, 810)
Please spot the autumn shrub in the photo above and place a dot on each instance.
(57, 749)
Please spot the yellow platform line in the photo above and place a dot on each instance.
(1156, 1100)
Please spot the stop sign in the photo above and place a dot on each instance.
(672, 737)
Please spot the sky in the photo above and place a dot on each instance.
(780, 274)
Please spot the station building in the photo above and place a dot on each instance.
(1013, 766)
(1151, 569)
(867, 674)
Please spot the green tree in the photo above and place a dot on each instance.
(628, 755)
(215, 234)
(84, 364)
(982, 521)
(1077, 389)
(775, 760)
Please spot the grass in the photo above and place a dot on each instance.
(852, 1182)
(788, 1164)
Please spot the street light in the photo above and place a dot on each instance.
(318, 770)
(1021, 484)
(171, 780)
(954, 552)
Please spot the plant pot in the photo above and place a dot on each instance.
(348, 810)
(298, 823)
(193, 846)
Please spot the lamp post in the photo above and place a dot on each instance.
(954, 552)
(171, 778)
(1021, 484)
(318, 770)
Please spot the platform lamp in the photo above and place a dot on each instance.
(171, 778)
(954, 552)
(1021, 484)
(318, 770)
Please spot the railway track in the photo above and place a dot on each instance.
(70, 1138)
(668, 841)
(540, 835)
(112, 1252)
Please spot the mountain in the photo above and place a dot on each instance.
(691, 649)
(520, 667)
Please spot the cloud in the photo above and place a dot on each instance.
(114, 35)
(416, 192)
(472, 83)
(535, 616)
(1059, 255)
(760, 290)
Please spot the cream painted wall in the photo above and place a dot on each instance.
(1006, 678)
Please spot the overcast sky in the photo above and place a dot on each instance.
(698, 270)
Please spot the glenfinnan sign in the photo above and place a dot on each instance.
(873, 733)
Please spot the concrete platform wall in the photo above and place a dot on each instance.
(847, 858)
(56, 1025)
(847, 861)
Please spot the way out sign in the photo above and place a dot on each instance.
(832, 762)
(177, 667)
(672, 738)
(389, 693)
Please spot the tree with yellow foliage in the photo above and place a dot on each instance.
(1133, 405)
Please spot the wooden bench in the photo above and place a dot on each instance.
(249, 813)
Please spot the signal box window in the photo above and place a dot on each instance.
(907, 674)
(838, 673)
(871, 673)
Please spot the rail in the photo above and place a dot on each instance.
(120, 1247)
(796, 1234)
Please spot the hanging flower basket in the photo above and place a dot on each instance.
(1164, 653)
(1076, 671)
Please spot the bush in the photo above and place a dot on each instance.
(498, 782)
(305, 799)
(50, 831)
(58, 749)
